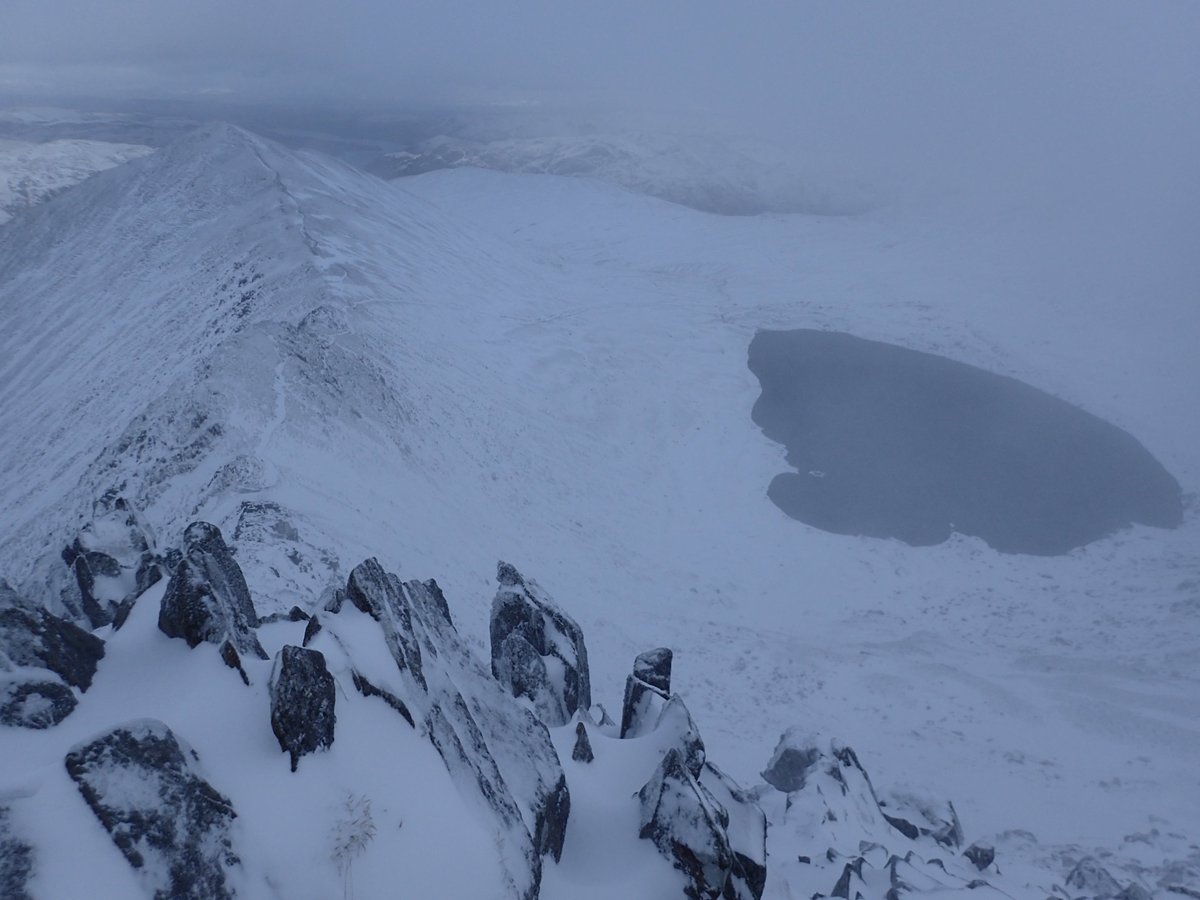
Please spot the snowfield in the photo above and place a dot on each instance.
(470, 365)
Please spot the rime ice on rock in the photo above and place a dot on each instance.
(207, 598)
(302, 702)
(538, 650)
(112, 558)
(496, 750)
(170, 824)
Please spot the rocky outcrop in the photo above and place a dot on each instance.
(980, 855)
(283, 558)
(647, 691)
(496, 750)
(113, 559)
(207, 600)
(538, 650)
(170, 824)
(878, 846)
(582, 751)
(302, 702)
(1091, 881)
(746, 831)
(16, 861)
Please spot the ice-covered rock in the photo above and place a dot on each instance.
(112, 557)
(538, 650)
(302, 702)
(16, 861)
(207, 598)
(687, 825)
(676, 727)
(645, 699)
(495, 749)
(170, 824)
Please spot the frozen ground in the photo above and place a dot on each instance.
(553, 371)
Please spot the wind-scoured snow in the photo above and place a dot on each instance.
(470, 365)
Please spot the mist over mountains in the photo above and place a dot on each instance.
(390, 456)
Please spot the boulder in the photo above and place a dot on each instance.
(16, 861)
(302, 702)
(980, 855)
(207, 599)
(170, 824)
(537, 649)
(30, 701)
(688, 826)
(795, 756)
(677, 729)
(582, 751)
(112, 558)
(30, 636)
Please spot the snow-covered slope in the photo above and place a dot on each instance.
(477, 365)
(32, 172)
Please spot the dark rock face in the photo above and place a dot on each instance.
(687, 825)
(112, 557)
(644, 700)
(207, 598)
(890, 442)
(168, 822)
(538, 650)
(302, 702)
(34, 637)
(497, 751)
(793, 759)
(654, 668)
(980, 855)
(16, 861)
(582, 751)
(29, 702)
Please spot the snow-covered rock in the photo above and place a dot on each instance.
(31, 636)
(687, 824)
(207, 599)
(582, 751)
(302, 702)
(644, 700)
(537, 649)
(16, 860)
(170, 824)
(113, 559)
(32, 700)
(496, 751)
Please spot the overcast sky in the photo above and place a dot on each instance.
(1051, 89)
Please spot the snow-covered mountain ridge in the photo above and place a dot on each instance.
(31, 173)
(332, 368)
